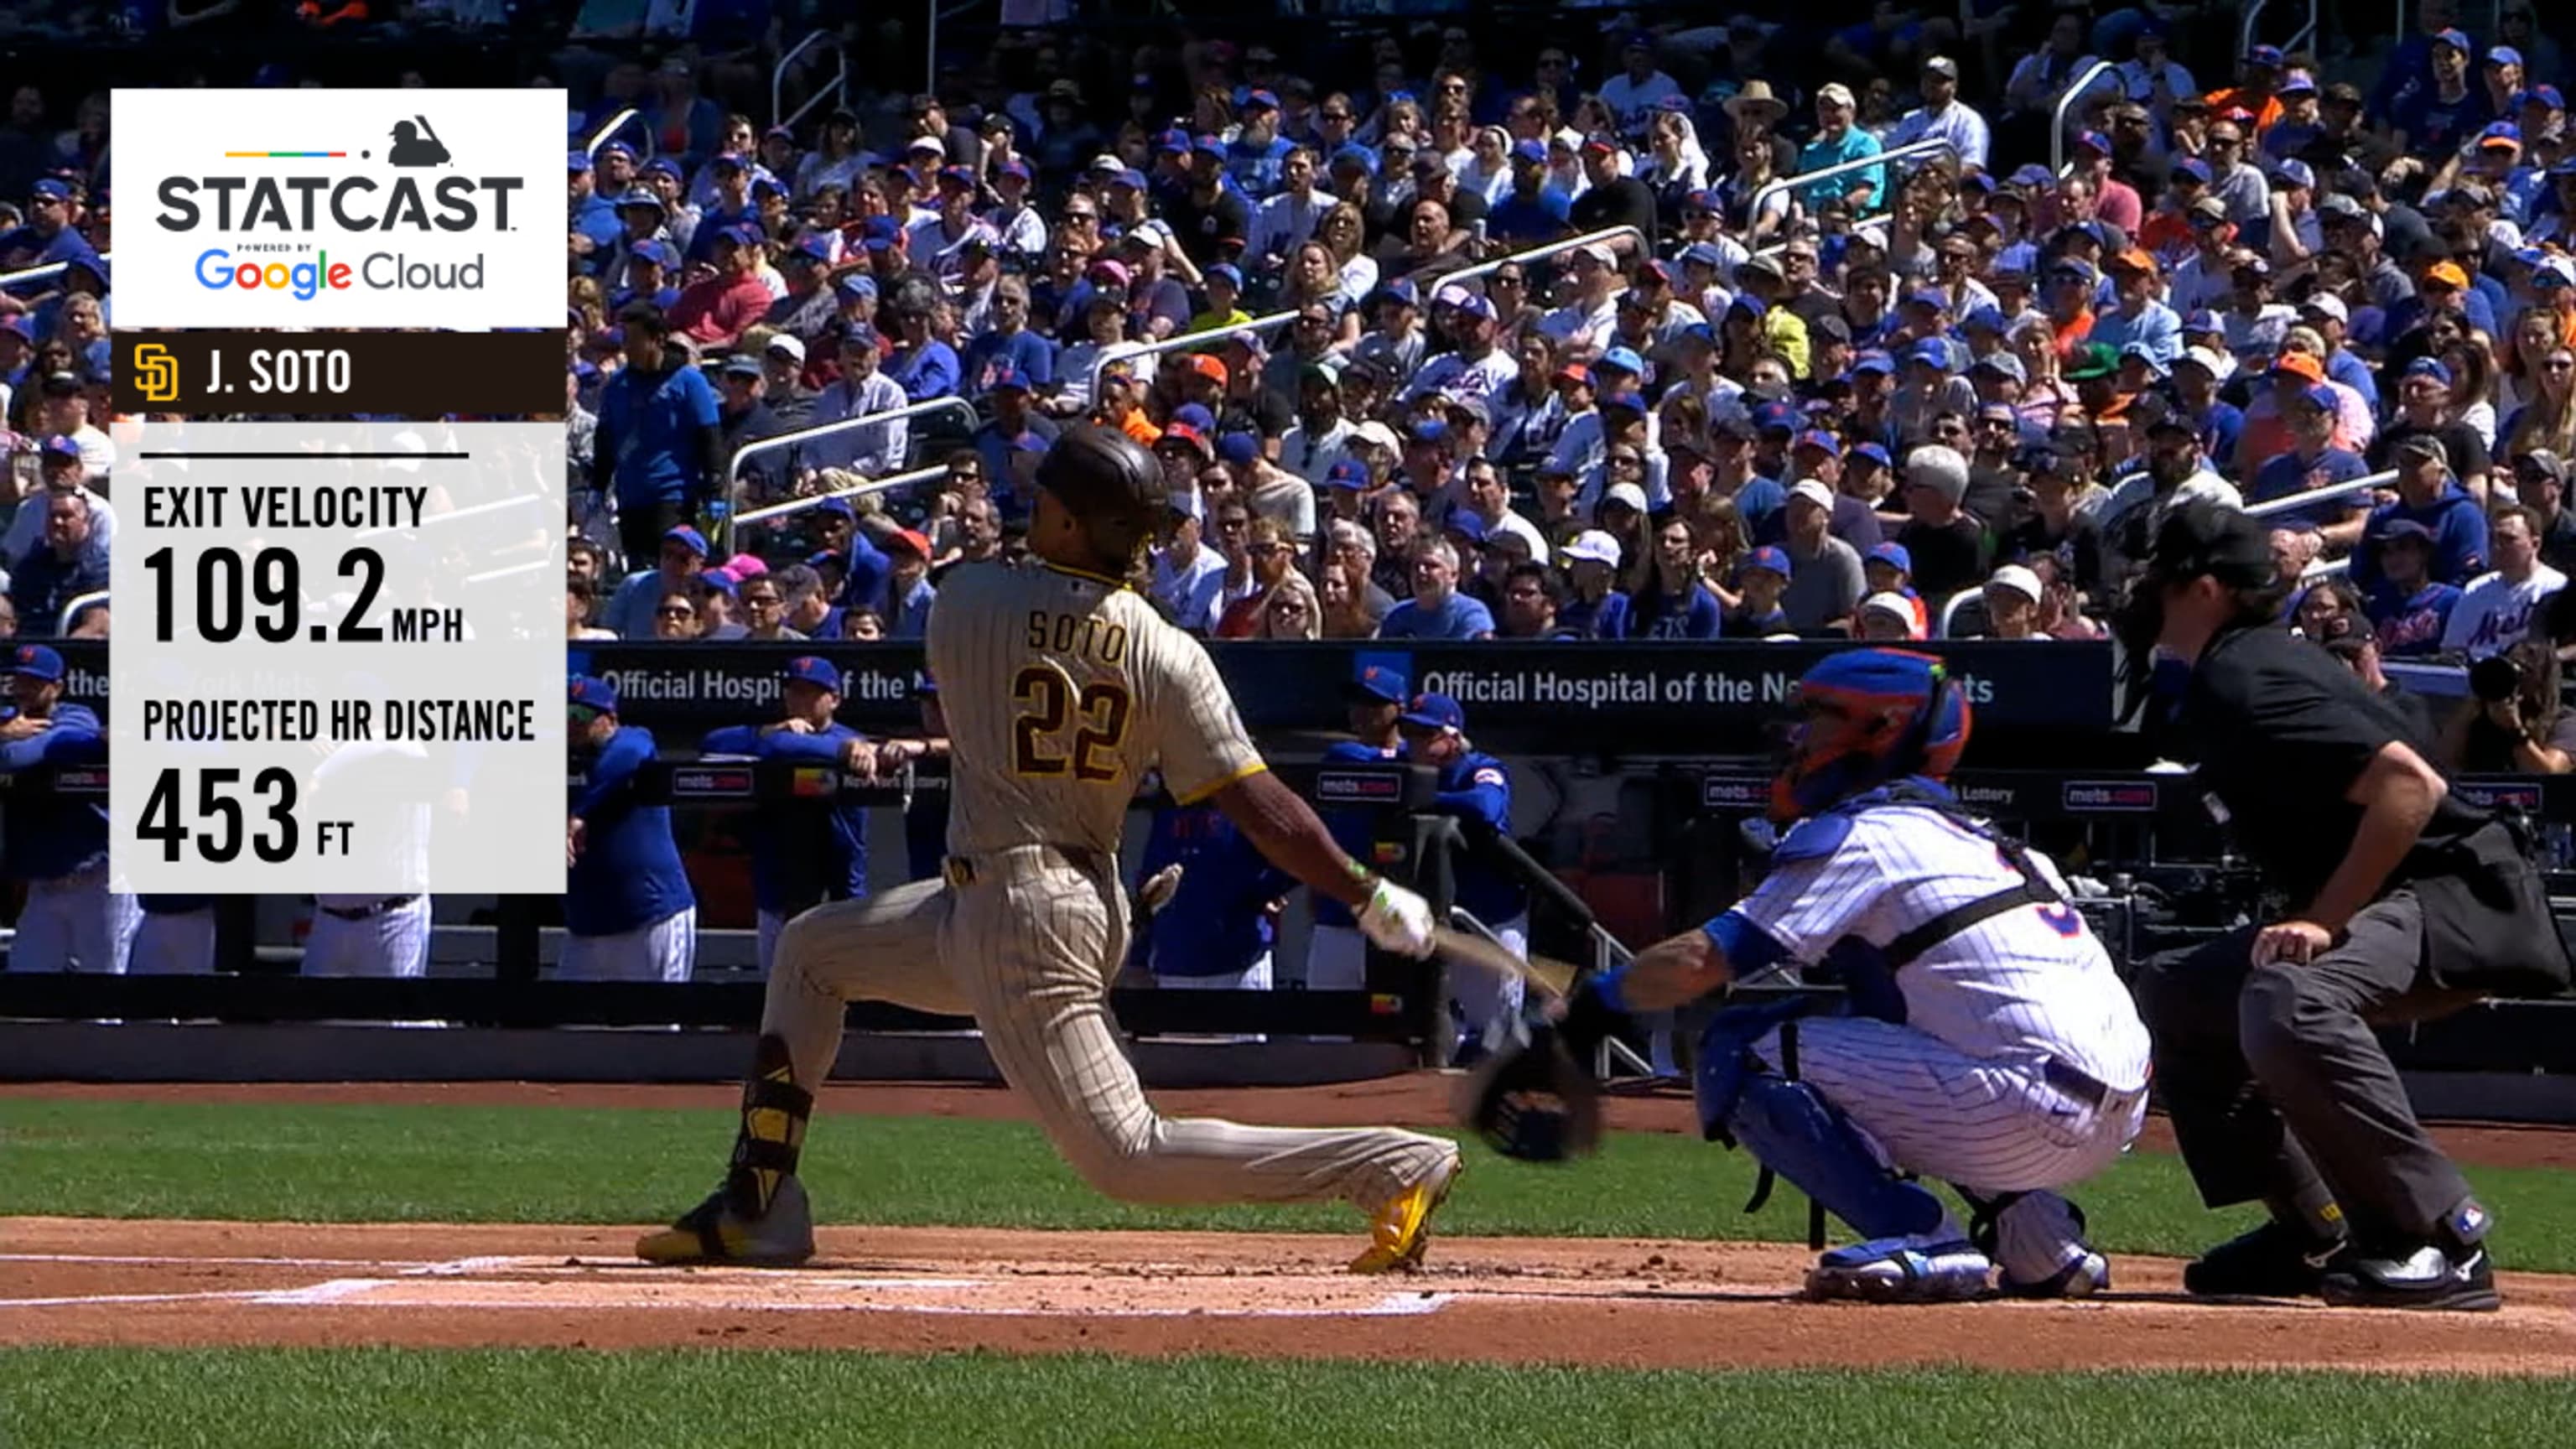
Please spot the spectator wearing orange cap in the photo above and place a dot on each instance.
(2138, 317)
(908, 590)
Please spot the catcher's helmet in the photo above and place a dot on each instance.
(1111, 486)
(1869, 717)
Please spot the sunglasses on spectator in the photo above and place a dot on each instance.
(675, 611)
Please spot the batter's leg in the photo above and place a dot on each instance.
(1031, 950)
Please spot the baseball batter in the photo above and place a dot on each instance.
(1062, 687)
(1989, 1043)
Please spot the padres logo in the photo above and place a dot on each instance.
(156, 372)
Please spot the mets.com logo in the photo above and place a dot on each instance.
(262, 213)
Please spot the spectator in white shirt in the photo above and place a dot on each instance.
(1635, 93)
(2498, 610)
(1944, 115)
(863, 391)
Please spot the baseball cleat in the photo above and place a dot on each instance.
(714, 1232)
(2274, 1260)
(2082, 1278)
(2460, 1281)
(1402, 1229)
(1900, 1270)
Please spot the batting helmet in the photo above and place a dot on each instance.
(1869, 717)
(1111, 486)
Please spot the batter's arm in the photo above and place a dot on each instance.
(1286, 830)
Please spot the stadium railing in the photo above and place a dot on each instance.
(757, 446)
(600, 137)
(1186, 342)
(2297, 501)
(2072, 97)
(1541, 252)
(47, 272)
(779, 115)
(1911, 150)
(73, 609)
(855, 490)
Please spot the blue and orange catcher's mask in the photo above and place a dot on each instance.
(1866, 718)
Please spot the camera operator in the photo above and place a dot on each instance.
(2513, 723)
(2403, 903)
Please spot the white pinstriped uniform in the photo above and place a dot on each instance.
(1062, 691)
(1957, 1091)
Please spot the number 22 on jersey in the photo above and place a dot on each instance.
(1050, 701)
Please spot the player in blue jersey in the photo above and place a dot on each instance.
(805, 851)
(57, 844)
(1336, 952)
(1216, 931)
(1477, 788)
(1986, 1041)
(629, 914)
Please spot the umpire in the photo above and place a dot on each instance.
(2402, 904)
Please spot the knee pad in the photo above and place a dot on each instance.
(1726, 1062)
(1791, 1129)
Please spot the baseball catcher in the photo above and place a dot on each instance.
(1985, 1041)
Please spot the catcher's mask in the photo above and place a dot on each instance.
(1865, 718)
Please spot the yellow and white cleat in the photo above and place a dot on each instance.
(1402, 1229)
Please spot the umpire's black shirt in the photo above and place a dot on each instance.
(2282, 730)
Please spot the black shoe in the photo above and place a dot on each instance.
(2273, 1261)
(2459, 1280)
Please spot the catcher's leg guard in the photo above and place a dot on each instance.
(2036, 1240)
(1799, 1135)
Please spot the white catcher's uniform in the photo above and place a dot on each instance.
(1984, 1084)
(1062, 690)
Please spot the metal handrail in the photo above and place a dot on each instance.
(2254, 12)
(1950, 611)
(2334, 570)
(816, 500)
(38, 274)
(733, 466)
(1792, 184)
(1131, 351)
(2297, 501)
(1540, 252)
(600, 137)
(778, 79)
(2066, 102)
(71, 611)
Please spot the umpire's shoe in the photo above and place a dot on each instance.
(717, 1231)
(2450, 1274)
(2275, 1260)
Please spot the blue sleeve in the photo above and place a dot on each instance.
(1477, 618)
(1485, 795)
(732, 740)
(1613, 623)
(822, 749)
(1749, 950)
(74, 740)
(699, 396)
(935, 376)
(1040, 364)
(867, 573)
(628, 752)
(2464, 545)
(1704, 614)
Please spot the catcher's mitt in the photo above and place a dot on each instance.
(1532, 1100)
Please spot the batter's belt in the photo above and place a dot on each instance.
(961, 871)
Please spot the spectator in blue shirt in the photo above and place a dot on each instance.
(1477, 788)
(1008, 348)
(57, 844)
(629, 912)
(923, 366)
(659, 448)
(804, 851)
(1217, 931)
(2428, 496)
(2409, 611)
(1437, 610)
(591, 217)
(1670, 601)
(2139, 319)
(1533, 210)
(908, 590)
(67, 566)
(2313, 462)
(679, 558)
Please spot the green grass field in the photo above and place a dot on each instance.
(84, 1399)
(571, 1165)
(429, 1163)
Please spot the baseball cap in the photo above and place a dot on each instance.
(2266, 55)
(1873, 361)
(695, 541)
(860, 335)
(2299, 365)
(1592, 545)
(586, 691)
(1530, 153)
(741, 364)
(1348, 475)
(2427, 445)
(1822, 441)
(2002, 364)
(1625, 360)
(2018, 579)
(1814, 491)
(36, 661)
(59, 446)
(1380, 682)
(1770, 557)
(807, 669)
(1870, 453)
(2429, 367)
(2446, 274)
(1894, 604)
(1894, 554)
(2327, 304)
(1433, 712)
(2397, 528)
(1464, 524)
(1628, 494)
(2320, 397)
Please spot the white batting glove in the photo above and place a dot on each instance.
(1397, 920)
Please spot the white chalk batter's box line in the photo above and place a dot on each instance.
(652, 1289)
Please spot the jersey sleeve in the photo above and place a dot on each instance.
(1819, 891)
(1197, 736)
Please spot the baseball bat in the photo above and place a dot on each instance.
(1551, 976)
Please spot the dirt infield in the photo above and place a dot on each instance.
(1691, 1305)
(1419, 1099)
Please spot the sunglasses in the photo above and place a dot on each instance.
(676, 611)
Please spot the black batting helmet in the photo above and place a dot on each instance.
(1111, 486)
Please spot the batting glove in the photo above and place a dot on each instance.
(1397, 920)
